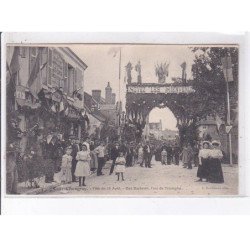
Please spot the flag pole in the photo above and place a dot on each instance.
(229, 121)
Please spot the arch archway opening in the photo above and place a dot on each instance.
(162, 125)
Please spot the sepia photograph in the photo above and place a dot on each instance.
(122, 119)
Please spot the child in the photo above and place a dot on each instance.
(83, 164)
(120, 166)
(163, 156)
(66, 176)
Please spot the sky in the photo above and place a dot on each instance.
(103, 67)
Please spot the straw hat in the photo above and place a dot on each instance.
(206, 142)
(216, 143)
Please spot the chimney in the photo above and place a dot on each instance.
(96, 94)
(113, 97)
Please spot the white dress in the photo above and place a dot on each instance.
(66, 175)
(83, 166)
(120, 165)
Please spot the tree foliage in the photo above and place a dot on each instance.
(209, 81)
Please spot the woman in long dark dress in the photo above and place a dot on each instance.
(215, 169)
(204, 161)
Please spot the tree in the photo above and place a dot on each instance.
(209, 81)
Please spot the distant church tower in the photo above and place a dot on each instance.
(108, 94)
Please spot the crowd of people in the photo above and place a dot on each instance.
(74, 160)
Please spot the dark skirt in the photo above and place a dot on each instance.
(215, 171)
(158, 155)
(129, 160)
(203, 169)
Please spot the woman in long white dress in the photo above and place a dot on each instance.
(66, 176)
(83, 164)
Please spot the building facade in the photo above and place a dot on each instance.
(48, 88)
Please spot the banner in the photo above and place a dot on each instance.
(160, 89)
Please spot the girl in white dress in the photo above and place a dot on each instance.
(83, 164)
(66, 176)
(120, 166)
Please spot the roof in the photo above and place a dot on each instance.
(73, 55)
(89, 102)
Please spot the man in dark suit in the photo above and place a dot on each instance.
(147, 155)
(113, 155)
(75, 149)
(50, 158)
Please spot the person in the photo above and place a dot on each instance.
(129, 156)
(176, 154)
(140, 155)
(66, 174)
(163, 156)
(114, 153)
(184, 156)
(75, 150)
(169, 154)
(50, 157)
(147, 155)
(82, 166)
(120, 166)
(204, 159)
(94, 159)
(58, 155)
(196, 154)
(189, 156)
(158, 153)
(30, 164)
(100, 151)
(215, 170)
(11, 170)
(87, 143)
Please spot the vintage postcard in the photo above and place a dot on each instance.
(121, 119)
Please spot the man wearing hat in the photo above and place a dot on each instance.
(75, 149)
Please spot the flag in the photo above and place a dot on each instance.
(11, 78)
(61, 106)
(53, 108)
(228, 128)
(227, 68)
(218, 122)
(14, 64)
(114, 51)
(66, 112)
(34, 82)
